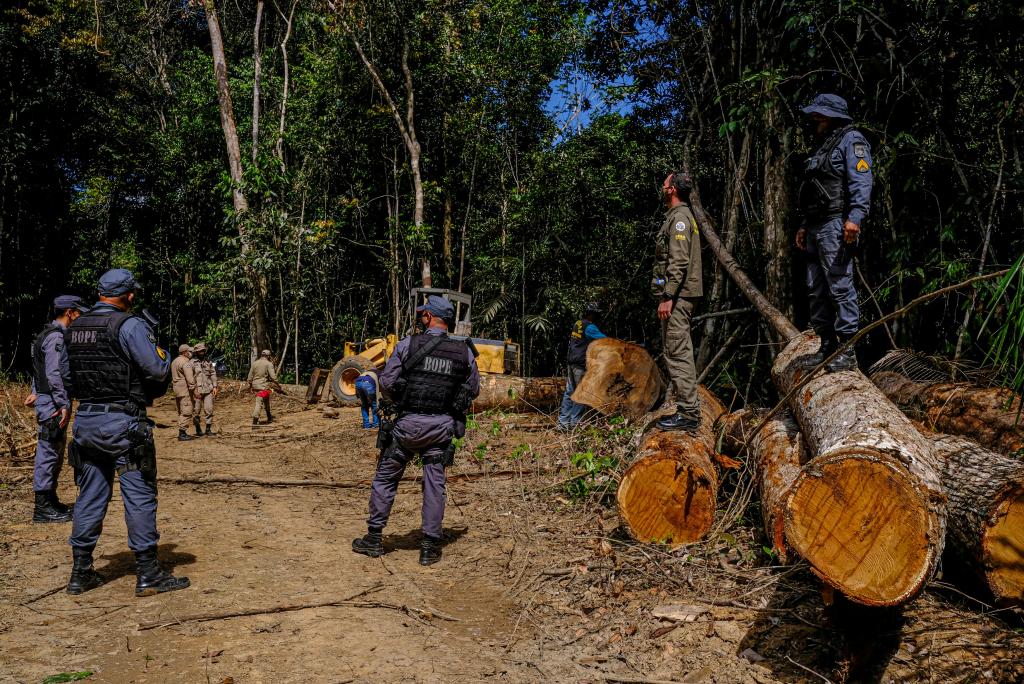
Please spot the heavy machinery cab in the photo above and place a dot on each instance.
(497, 357)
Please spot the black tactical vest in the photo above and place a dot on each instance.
(431, 385)
(823, 192)
(101, 370)
(39, 359)
(578, 343)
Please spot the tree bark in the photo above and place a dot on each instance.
(986, 415)
(257, 65)
(868, 510)
(621, 379)
(777, 452)
(777, 236)
(227, 114)
(513, 393)
(669, 494)
(986, 514)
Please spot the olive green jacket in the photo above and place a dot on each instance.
(677, 266)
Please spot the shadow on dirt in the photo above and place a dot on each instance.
(122, 563)
(410, 541)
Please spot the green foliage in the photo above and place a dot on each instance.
(1006, 346)
(68, 677)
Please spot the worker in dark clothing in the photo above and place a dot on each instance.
(366, 390)
(583, 333)
(431, 379)
(51, 380)
(835, 198)
(117, 369)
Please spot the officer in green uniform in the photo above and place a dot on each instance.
(677, 286)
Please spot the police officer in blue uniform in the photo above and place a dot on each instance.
(835, 197)
(583, 333)
(432, 380)
(117, 369)
(51, 380)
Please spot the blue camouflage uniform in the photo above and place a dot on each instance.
(836, 188)
(426, 435)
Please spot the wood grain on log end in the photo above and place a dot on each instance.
(861, 518)
(669, 494)
(1003, 545)
(621, 379)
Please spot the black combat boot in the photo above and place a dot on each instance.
(83, 577)
(183, 436)
(208, 430)
(430, 550)
(199, 430)
(369, 544)
(828, 346)
(270, 418)
(679, 421)
(847, 359)
(46, 512)
(151, 578)
(56, 503)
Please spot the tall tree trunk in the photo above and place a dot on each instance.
(257, 65)
(777, 242)
(260, 336)
(279, 144)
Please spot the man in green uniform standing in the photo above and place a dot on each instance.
(677, 286)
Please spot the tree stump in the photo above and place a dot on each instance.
(868, 511)
(986, 514)
(778, 452)
(986, 415)
(518, 395)
(669, 493)
(621, 379)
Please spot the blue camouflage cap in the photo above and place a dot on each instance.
(827, 104)
(439, 306)
(116, 282)
(64, 302)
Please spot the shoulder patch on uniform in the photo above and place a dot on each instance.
(680, 226)
(161, 353)
(680, 236)
(860, 150)
(863, 166)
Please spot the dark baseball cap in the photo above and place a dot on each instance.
(439, 306)
(64, 302)
(116, 282)
(827, 104)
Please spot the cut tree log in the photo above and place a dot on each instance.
(986, 415)
(669, 493)
(986, 513)
(777, 452)
(621, 379)
(868, 511)
(519, 395)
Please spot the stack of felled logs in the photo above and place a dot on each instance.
(848, 481)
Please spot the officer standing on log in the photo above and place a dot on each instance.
(835, 197)
(677, 285)
(117, 370)
(51, 380)
(432, 380)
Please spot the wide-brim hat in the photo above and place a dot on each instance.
(830, 105)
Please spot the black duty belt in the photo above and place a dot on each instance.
(128, 409)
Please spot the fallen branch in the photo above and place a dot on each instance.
(341, 484)
(287, 608)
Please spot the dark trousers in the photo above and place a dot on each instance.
(570, 412)
(95, 480)
(390, 470)
(49, 455)
(833, 296)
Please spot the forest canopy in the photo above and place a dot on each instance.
(515, 147)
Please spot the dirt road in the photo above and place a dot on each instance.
(532, 587)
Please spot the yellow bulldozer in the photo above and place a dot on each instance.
(500, 357)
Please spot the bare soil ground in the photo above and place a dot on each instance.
(535, 585)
